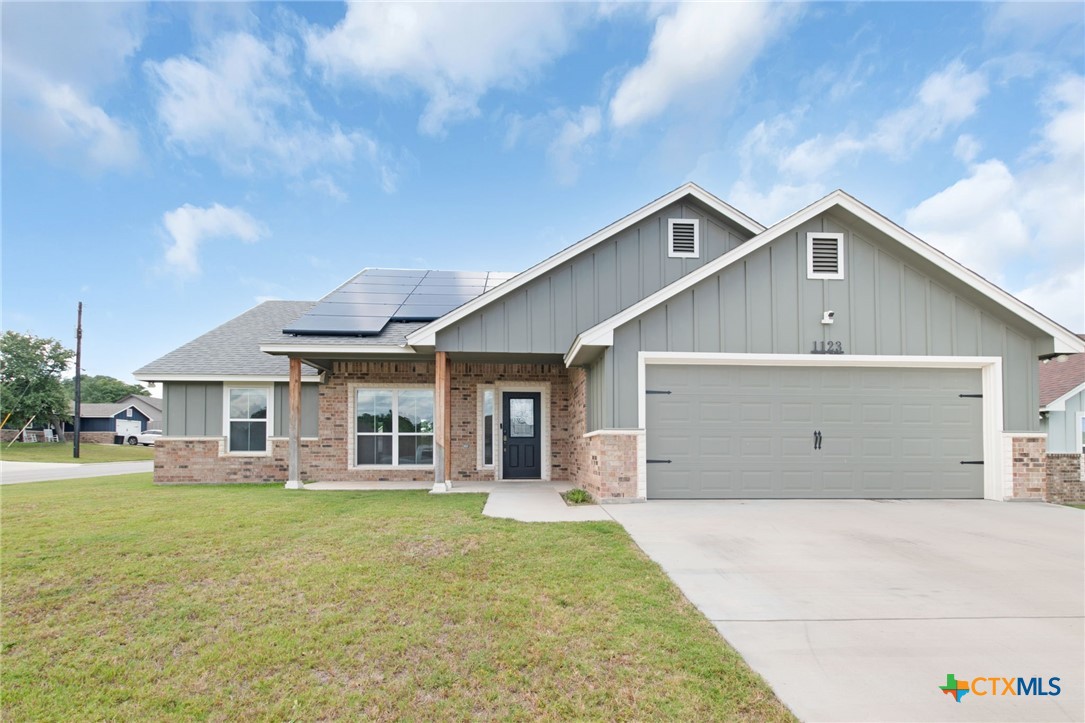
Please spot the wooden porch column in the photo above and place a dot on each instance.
(293, 481)
(442, 438)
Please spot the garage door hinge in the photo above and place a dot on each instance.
(970, 396)
(656, 391)
(977, 461)
(658, 461)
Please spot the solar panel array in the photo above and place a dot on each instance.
(366, 303)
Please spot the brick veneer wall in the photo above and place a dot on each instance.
(187, 460)
(1065, 479)
(1028, 461)
(611, 472)
(466, 435)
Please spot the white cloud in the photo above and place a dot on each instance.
(966, 148)
(57, 58)
(570, 147)
(780, 201)
(1023, 229)
(1033, 23)
(699, 49)
(944, 99)
(238, 103)
(190, 226)
(453, 53)
(974, 220)
(1060, 296)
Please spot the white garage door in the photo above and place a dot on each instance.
(803, 432)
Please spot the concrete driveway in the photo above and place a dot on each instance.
(857, 610)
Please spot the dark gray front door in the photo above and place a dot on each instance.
(522, 434)
(804, 432)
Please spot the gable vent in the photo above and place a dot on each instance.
(684, 238)
(824, 255)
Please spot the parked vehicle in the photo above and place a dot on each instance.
(148, 438)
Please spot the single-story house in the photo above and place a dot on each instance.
(1062, 419)
(684, 351)
(101, 423)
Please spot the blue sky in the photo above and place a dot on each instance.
(171, 165)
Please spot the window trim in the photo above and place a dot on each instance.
(839, 238)
(671, 253)
(352, 409)
(269, 427)
(1079, 433)
(480, 432)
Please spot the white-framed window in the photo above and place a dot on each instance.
(1081, 430)
(683, 238)
(393, 427)
(486, 424)
(824, 255)
(248, 419)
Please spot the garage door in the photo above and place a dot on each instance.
(801, 432)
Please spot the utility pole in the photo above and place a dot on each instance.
(78, 373)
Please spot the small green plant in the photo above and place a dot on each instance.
(577, 496)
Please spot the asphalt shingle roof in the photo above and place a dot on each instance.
(234, 347)
(1060, 375)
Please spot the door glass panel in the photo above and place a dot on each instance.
(522, 417)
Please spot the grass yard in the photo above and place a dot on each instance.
(122, 600)
(62, 452)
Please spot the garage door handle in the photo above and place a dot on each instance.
(817, 440)
(658, 461)
(977, 461)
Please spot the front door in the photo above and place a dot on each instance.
(522, 436)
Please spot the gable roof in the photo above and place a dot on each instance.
(233, 349)
(426, 336)
(602, 334)
(101, 410)
(1061, 378)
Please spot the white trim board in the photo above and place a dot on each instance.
(602, 334)
(995, 487)
(427, 335)
(312, 349)
(230, 378)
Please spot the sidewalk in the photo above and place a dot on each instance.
(13, 473)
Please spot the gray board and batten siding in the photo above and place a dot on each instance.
(546, 314)
(194, 409)
(890, 302)
(1064, 428)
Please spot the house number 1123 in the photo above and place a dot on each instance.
(827, 347)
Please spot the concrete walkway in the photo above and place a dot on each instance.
(13, 473)
(529, 501)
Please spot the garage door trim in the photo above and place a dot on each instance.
(994, 486)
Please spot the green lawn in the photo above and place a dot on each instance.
(122, 600)
(62, 452)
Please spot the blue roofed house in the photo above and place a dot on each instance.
(684, 351)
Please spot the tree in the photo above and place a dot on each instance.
(30, 386)
(102, 389)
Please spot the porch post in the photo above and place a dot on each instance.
(442, 438)
(293, 481)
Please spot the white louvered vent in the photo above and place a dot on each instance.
(824, 254)
(684, 238)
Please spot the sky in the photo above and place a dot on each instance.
(173, 165)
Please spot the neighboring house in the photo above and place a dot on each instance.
(102, 422)
(684, 351)
(1062, 403)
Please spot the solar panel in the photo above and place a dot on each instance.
(366, 303)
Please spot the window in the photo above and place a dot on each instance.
(824, 256)
(394, 427)
(683, 238)
(486, 424)
(247, 428)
